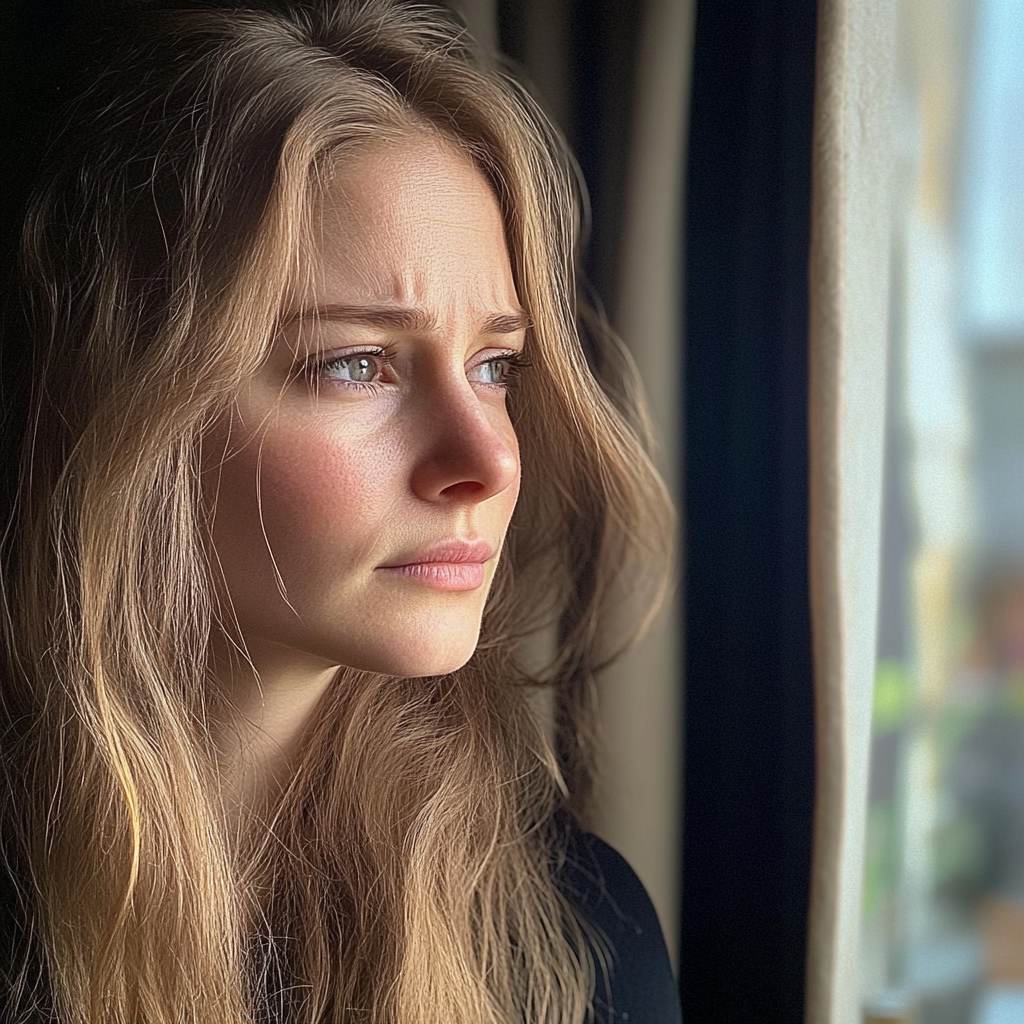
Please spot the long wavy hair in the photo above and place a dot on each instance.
(409, 871)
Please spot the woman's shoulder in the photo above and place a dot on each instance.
(635, 983)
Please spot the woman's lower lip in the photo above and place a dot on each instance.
(442, 575)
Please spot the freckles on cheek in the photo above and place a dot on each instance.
(310, 481)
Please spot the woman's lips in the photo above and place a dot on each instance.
(441, 575)
(450, 565)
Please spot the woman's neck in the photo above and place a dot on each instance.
(272, 697)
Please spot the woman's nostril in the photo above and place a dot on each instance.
(460, 468)
(466, 489)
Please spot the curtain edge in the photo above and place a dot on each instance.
(848, 279)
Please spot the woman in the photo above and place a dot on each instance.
(312, 451)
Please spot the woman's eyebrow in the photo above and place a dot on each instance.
(507, 323)
(398, 318)
(404, 318)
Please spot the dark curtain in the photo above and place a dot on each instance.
(749, 772)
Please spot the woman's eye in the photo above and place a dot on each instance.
(493, 371)
(357, 368)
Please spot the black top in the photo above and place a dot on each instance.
(639, 987)
(636, 988)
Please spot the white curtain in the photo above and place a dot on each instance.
(639, 793)
(849, 281)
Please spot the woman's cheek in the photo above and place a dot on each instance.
(321, 488)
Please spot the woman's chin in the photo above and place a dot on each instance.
(417, 665)
(434, 656)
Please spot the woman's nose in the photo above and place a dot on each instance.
(467, 447)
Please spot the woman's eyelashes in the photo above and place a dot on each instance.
(359, 368)
(499, 370)
(367, 367)
(372, 367)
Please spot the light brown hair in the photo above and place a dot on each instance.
(408, 873)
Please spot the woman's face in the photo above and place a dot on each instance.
(364, 481)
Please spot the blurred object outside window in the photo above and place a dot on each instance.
(942, 937)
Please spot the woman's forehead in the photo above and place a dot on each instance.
(367, 179)
(398, 220)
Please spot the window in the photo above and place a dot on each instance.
(942, 935)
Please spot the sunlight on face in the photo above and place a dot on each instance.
(367, 475)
